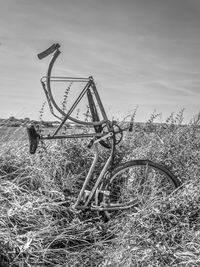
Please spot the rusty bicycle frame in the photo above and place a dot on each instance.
(99, 136)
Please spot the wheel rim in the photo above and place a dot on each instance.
(139, 185)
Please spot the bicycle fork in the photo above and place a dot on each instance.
(85, 195)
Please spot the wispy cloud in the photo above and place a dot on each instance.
(142, 53)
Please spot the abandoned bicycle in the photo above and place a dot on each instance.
(129, 185)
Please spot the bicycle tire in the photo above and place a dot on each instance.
(129, 186)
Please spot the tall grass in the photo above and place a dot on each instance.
(38, 228)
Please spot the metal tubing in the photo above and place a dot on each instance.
(48, 79)
(50, 137)
(72, 108)
(99, 101)
(105, 168)
(49, 100)
(50, 97)
(88, 175)
(67, 79)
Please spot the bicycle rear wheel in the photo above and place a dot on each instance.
(137, 183)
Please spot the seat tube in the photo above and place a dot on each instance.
(99, 100)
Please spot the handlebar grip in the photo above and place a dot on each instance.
(33, 139)
(48, 51)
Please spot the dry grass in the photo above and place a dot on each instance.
(39, 229)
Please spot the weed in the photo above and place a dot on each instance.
(39, 229)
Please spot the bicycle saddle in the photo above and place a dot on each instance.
(33, 138)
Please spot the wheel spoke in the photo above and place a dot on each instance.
(138, 183)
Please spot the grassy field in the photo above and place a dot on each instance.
(37, 228)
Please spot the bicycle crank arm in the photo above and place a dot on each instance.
(103, 137)
(80, 207)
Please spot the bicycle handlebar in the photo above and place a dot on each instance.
(48, 51)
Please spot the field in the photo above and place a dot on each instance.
(39, 229)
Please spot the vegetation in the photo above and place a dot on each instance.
(38, 228)
(14, 122)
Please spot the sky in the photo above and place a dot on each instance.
(142, 54)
